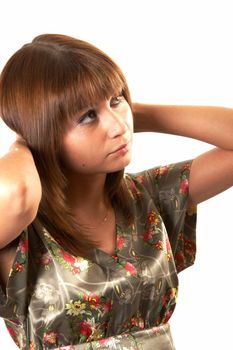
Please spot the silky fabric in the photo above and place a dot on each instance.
(55, 300)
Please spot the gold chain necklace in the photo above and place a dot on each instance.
(104, 220)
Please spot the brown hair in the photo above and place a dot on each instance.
(42, 86)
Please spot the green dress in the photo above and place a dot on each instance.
(55, 300)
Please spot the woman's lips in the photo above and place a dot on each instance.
(123, 149)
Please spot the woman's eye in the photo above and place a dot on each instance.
(87, 117)
(117, 100)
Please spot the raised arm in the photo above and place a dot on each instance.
(20, 191)
(212, 172)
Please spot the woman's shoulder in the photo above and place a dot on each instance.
(161, 175)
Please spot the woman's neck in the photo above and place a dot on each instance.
(86, 194)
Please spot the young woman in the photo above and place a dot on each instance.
(89, 254)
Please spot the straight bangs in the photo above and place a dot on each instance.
(89, 84)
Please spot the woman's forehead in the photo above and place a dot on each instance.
(93, 98)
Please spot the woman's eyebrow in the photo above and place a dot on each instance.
(86, 108)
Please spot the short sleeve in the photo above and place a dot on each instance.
(14, 300)
(169, 188)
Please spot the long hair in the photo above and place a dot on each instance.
(42, 86)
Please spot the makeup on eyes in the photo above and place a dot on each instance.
(91, 113)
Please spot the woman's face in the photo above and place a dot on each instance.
(99, 138)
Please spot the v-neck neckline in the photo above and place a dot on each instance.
(98, 255)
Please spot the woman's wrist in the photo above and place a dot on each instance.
(147, 117)
(140, 116)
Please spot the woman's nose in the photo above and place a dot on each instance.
(116, 125)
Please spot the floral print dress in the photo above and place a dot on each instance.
(55, 300)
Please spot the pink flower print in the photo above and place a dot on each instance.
(168, 245)
(68, 257)
(110, 343)
(93, 299)
(159, 245)
(162, 170)
(138, 322)
(85, 329)
(50, 337)
(120, 242)
(107, 307)
(155, 329)
(130, 268)
(184, 185)
(19, 267)
(75, 270)
(147, 235)
(12, 332)
(23, 246)
(103, 342)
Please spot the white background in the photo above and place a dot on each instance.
(172, 52)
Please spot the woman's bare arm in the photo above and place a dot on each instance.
(212, 172)
(20, 191)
